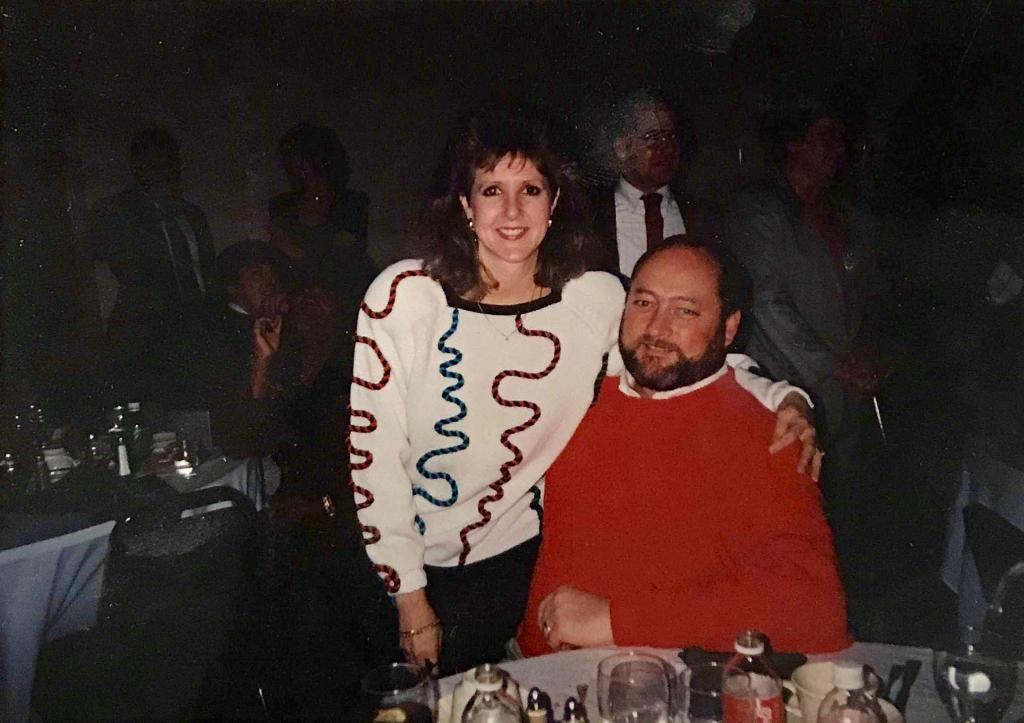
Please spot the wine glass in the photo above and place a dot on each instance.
(633, 688)
(399, 692)
(974, 686)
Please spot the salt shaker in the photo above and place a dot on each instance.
(538, 707)
(574, 711)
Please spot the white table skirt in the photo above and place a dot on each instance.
(998, 486)
(47, 589)
(559, 673)
(51, 588)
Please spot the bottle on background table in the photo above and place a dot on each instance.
(140, 436)
(97, 452)
(119, 444)
(41, 472)
(751, 690)
(13, 476)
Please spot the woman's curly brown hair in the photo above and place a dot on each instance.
(479, 141)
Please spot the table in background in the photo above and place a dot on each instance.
(559, 674)
(999, 485)
(48, 589)
(257, 479)
(51, 586)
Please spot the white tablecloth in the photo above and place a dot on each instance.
(1000, 487)
(47, 589)
(257, 479)
(559, 673)
(52, 588)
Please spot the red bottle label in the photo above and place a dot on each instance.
(752, 710)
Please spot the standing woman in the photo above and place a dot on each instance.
(473, 368)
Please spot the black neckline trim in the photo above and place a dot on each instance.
(457, 302)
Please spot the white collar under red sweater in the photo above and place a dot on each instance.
(626, 383)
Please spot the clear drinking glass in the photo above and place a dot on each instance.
(706, 693)
(975, 687)
(399, 691)
(633, 688)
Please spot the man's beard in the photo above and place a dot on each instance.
(681, 373)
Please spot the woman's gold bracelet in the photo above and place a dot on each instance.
(416, 631)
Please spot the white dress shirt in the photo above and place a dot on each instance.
(627, 385)
(630, 226)
(769, 393)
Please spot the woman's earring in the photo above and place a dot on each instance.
(550, 222)
(470, 224)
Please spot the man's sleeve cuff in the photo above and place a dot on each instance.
(780, 390)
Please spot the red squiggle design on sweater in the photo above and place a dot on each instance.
(385, 375)
(367, 459)
(498, 485)
(371, 534)
(392, 295)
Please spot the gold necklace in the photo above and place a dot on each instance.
(487, 317)
(490, 322)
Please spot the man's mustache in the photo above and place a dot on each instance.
(657, 343)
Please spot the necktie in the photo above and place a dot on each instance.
(653, 220)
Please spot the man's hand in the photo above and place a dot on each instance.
(266, 335)
(419, 628)
(794, 423)
(572, 618)
(275, 304)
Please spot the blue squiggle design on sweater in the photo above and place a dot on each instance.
(441, 426)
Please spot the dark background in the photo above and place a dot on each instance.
(940, 79)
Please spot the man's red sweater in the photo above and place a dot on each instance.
(675, 511)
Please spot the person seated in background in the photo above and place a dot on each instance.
(245, 366)
(320, 333)
(667, 521)
(160, 250)
(279, 365)
(320, 220)
(280, 370)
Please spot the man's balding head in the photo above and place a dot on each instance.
(646, 140)
(682, 311)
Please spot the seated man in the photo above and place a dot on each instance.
(658, 537)
(245, 371)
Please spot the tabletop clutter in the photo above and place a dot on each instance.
(750, 685)
(37, 456)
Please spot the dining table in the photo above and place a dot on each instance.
(52, 565)
(559, 674)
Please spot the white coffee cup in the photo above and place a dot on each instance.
(811, 682)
